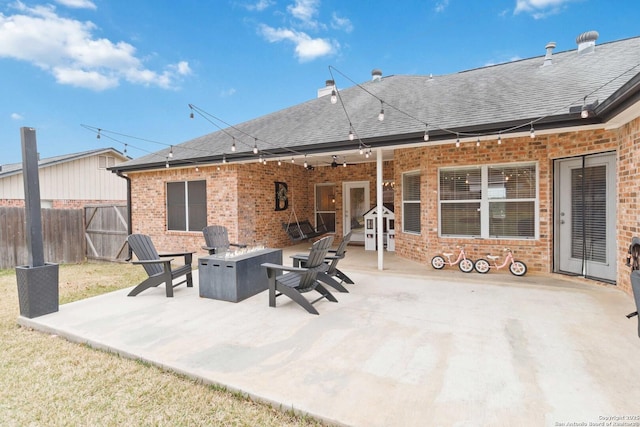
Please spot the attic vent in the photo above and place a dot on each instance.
(547, 58)
(587, 41)
(376, 75)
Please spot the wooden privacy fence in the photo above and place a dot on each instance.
(63, 235)
(106, 231)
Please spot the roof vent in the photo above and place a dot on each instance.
(587, 41)
(547, 58)
(376, 75)
(329, 87)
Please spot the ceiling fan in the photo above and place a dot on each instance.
(335, 163)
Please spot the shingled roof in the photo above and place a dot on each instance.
(501, 98)
(15, 168)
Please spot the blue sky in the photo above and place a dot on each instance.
(131, 67)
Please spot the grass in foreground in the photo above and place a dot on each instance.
(46, 380)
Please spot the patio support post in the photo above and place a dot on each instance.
(38, 281)
(379, 219)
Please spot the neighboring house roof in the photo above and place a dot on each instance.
(15, 168)
(500, 98)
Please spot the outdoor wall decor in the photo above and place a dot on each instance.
(282, 198)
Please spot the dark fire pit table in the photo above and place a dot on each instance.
(234, 276)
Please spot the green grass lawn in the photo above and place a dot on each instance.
(46, 380)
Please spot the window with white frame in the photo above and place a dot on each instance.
(489, 201)
(187, 205)
(411, 202)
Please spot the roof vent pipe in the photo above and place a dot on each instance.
(328, 89)
(376, 75)
(547, 58)
(587, 41)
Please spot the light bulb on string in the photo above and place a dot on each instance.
(171, 152)
(279, 162)
(125, 148)
(499, 139)
(98, 135)
(166, 164)
(233, 146)
(426, 134)
(457, 140)
(197, 168)
(351, 135)
(478, 142)
(292, 161)
(532, 134)
(305, 161)
(361, 150)
(191, 113)
(255, 146)
(344, 163)
(334, 96)
(381, 115)
(224, 159)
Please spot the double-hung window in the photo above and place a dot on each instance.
(411, 202)
(187, 205)
(489, 201)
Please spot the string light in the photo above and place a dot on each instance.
(125, 148)
(224, 158)
(381, 115)
(233, 146)
(361, 150)
(279, 162)
(499, 139)
(191, 113)
(344, 163)
(171, 152)
(98, 135)
(292, 161)
(351, 135)
(478, 142)
(305, 161)
(255, 146)
(166, 165)
(457, 140)
(426, 133)
(334, 96)
(197, 168)
(532, 134)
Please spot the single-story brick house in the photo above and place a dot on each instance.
(541, 155)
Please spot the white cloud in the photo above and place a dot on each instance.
(442, 5)
(306, 48)
(68, 50)
(340, 23)
(304, 10)
(259, 6)
(540, 8)
(77, 4)
(227, 92)
(16, 116)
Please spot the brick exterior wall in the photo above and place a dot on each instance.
(544, 149)
(242, 196)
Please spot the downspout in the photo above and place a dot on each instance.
(129, 216)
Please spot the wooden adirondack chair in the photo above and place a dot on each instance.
(328, 269)
(216, 238)
(298, 280)
(159, 270)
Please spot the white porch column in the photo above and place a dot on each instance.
(379, 219)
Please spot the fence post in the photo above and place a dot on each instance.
(38, 281)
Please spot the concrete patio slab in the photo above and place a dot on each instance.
(407, 346)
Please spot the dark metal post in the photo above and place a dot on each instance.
(37, 282)
(32, 196)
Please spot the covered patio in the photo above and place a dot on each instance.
(406, 346)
